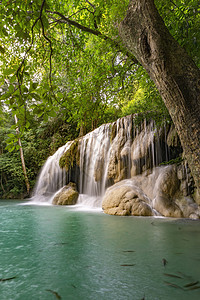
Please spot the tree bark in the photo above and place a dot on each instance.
(22, 158)
(173, 71)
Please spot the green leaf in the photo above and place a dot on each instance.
(59, 95)
(11, 88)
(2, 50)
(35, 96)
(9, 71)
(52, 113)
(4, 31)
(34, 85)
(45, 22)
(11, 135)
(45, 117)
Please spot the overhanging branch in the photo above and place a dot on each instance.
(89, 30)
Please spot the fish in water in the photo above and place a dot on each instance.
(164, 261)
(54, 293)
(127, 251)
(127, 265)
(5, 279)
(191, 284)
(173, 285)
(172, 275)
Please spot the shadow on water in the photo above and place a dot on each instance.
(51, 252)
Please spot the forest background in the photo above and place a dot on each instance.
(64, 72)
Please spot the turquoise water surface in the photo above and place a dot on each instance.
(51, 252)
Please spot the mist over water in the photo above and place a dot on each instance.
(90, 255)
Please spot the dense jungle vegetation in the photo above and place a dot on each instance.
(64, 71)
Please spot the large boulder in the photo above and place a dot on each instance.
(157, 192)
(125, 198)
(166, 185)
(68, 195)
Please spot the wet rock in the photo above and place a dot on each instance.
(98, 170)
(194, 216)
(172, 137)
(165, 188)
(156, 192)
(125, 198)
(67, 196)
(181, 173)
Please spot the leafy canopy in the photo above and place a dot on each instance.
(67, 56)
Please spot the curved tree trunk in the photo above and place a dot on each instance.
(173, 71)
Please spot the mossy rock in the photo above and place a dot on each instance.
(71, 157)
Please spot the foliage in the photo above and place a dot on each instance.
(64, 68)
(178, 160)
(38, 143)
(68, 55)
(182, 17)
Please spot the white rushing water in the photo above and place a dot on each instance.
(94, 157)
(108, 154)
(51, 177)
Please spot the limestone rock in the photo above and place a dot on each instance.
(156, 192)
(67, 196)
(165, 188)
(125, 198)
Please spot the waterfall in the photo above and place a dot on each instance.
(94, 155)
(51, 177)
(109, 154)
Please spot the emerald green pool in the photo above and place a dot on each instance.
(51, 252)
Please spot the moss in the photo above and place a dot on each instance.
(177, 161)
(71, 157)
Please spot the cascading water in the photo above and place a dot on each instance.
(94, 156)
(109, 154)
(51, 177)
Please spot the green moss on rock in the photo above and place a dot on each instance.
(71, 157)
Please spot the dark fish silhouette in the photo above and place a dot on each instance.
(191, 284)
(172, 275)
(128, 251)
(5, 279)
(127, 265)
(173, 285)
(164, 261)
(54, 293)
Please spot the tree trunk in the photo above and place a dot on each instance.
(173, 71)
(2, 182)
(22, 158)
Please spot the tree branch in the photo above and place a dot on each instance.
(29, 48)
(90, 3)
(81, 10)
(66, 20)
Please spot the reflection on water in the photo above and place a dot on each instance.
(62, 252)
